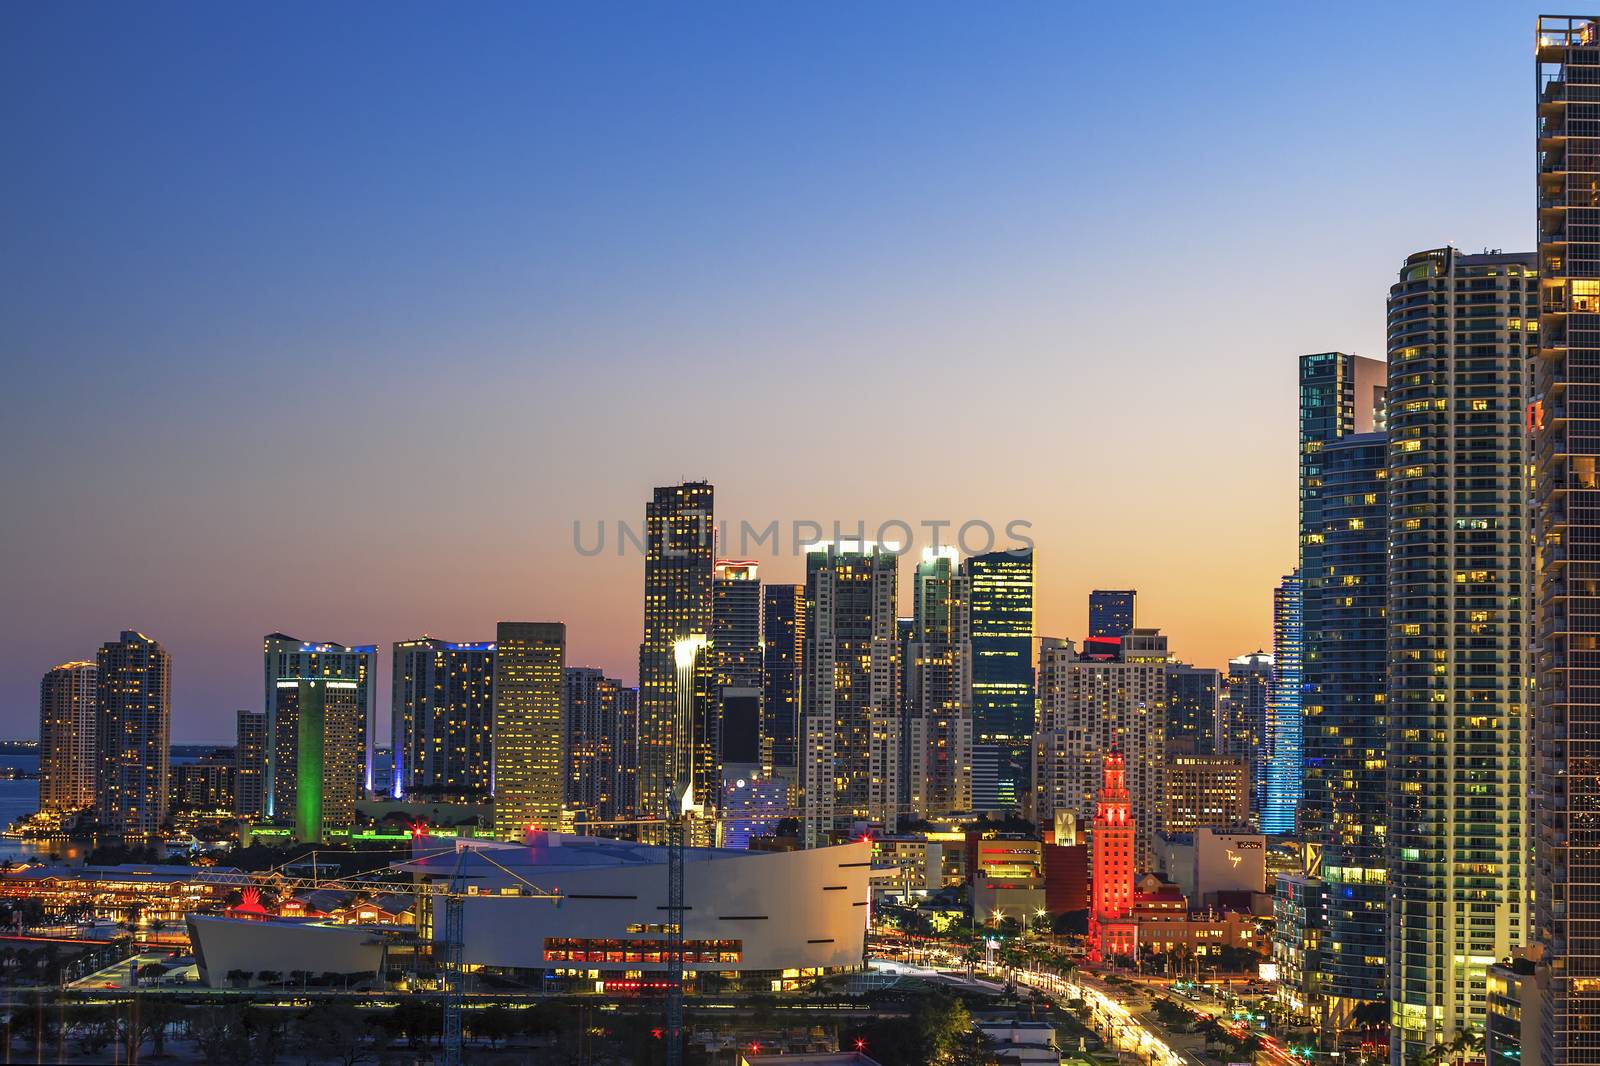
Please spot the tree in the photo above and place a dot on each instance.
(494, 1023)
(331, 1030)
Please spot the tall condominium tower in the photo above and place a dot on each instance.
(288, 657)
(133, 689)
(1111, 612)
(736, 660)
(1458, 647)
(850, 756)
(68, 752)
(1090, 707)
(1193, 694)
(600, 714)
(319, 720)
(251, 744)
(1345, 735)
(938, 689)
(1000, 585)
(530, 758)
(1242, 719)
(1564, 418)
(783, 631)
(678, 580)
(442, 718)
(1283, 742)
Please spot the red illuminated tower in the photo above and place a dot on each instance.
(1111, 929)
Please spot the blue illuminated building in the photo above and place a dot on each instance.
(1284, 747)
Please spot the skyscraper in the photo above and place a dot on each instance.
(1345, 728)
(1242, 727)
(938, 688)
(68, 751)
(678, 578)
(289, 657)
(530, 756)
(600, 767)
(319, 721)
(783, 630)
(1565, 446)
(736, 664)
(1340, 394)
(133, 692)
(851, 734)
(1192, 708)
(442, 718)
(1111, 612)
(1458, 647)
(1000, 585)
(1090, 707)
(1284, 747)
(251, 744)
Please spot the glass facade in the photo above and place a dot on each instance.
(1003, 707)
(442, 705)
(1345, 734)
(1283, 743)
(529, 776)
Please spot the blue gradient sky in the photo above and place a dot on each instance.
(332, 320)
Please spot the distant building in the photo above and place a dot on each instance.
(133, 692)
(783, 630)
(530, 758)
(737, 659)
(442, 717)
(1000, 587)
(1193, 694)
(851, 755)
(601, 720)
(319, 720)
(285, 657)
(938, 690)
(202, 787)
(1205, 790)
(68, 746)
(678, 593)
(1242, 727)
(1284, 741)
(252, 742)
(1299, 928)
(1111, 612)
(1087, 708)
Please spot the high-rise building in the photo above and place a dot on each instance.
(530, 759)
(289, 657)
(783, 630)
(1193, 694)
(678, 580)
(1340, 394)
(1565, 446)
(1000, 585)
(1242, 720)
(600, 724)
(251, 744)
(442, 718)
(1459, 643)
(1112, 932)
(1205, 791)
(133, 692)
(319, 722)
(938, 689)
(1111, 612)
(1090, 707)
(736, 656)
(1284, 740)
(68, 751)
(850, 756)
(1345, 735)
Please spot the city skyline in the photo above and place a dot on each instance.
(1012, 258)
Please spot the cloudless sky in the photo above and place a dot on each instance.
(333, 320)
